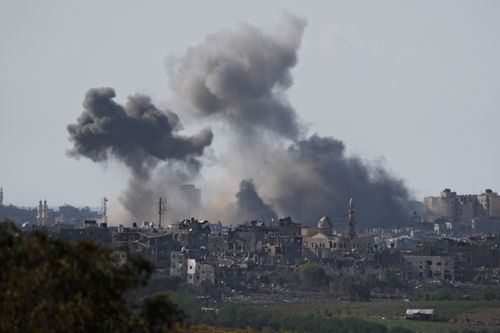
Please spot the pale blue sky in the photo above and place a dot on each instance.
(414, 82)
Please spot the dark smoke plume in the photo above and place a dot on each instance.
(140, 136)
(241, 76)
(380, 198)
(138, 133)
(250, 205)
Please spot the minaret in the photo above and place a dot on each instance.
(1, 196)
(45, 213)
(39, 215)
(351, 222)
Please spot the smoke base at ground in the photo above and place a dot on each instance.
(238, 78)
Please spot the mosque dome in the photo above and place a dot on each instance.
(325, 224)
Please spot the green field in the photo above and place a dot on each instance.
(436, 327)
(459, 315)
(389, 309)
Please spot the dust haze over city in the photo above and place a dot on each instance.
(238, 77)
(310, 148)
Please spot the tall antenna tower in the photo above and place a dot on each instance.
(351, 223)
(45, 213)
(162, 209)
(104, 212)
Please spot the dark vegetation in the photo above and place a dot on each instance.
(47, 285)
(265, 319)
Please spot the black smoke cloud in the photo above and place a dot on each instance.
(138, 134)
(141, 136)
(241, 75)
(250, 205)
(331, 179)
(238, 77)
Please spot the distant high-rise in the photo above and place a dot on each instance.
(1, 196)
(192, 197)
(455, 208)
(351, 224)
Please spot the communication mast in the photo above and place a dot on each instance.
(351, 224)
(162, 209)
(104, 213)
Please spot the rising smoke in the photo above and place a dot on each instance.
(140, 136)
(250, 205)
(238, 78)
(329, 178)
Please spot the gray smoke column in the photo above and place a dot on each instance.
(329, 178)
(250, 205)
(140, 198)
(137, 134)
(240, 76)
(141, 136)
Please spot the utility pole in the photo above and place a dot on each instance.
(351, 224)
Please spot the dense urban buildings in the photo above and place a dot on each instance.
(456, 213)
(456, 241)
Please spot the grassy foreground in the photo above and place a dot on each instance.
(390, 309)
(479, 316)
(437, 327)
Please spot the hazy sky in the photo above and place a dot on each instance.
(416, 83)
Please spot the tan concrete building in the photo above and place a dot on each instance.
(430, 267)
(178, 264)
(461, 209)
(489, 202)
(198, 272)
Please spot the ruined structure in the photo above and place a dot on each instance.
(459, 214)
